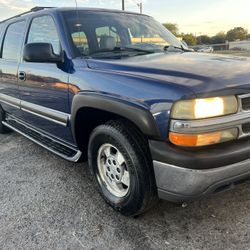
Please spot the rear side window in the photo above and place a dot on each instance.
(13, 41)
(43, 30)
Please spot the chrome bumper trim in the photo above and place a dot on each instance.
(188, 183)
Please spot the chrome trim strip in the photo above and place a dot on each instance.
(40, 111)
(12, 101)
(211, 124)
(240, 102)
(45, 117)
(72, 159)
(46, 113)
(244, 96)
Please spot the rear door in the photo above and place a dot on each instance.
(13, 36)
(44, 89)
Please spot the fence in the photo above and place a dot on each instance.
(240, 45)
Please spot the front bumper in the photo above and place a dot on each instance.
(180, 184)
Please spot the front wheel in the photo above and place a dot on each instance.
(122, 166)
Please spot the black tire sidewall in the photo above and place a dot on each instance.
(134, 198)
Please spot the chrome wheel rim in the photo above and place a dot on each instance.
(113, 171)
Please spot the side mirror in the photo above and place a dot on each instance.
(41, 53)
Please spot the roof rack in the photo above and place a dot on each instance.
(35, 9)
(38, 8)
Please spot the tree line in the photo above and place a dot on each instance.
(235, 34)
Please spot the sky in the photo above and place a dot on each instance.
(193, 16)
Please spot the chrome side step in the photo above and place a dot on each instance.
(65, 151)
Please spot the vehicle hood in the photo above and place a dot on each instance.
(204, 74)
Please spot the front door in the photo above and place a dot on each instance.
(9, 63)
(44, 87)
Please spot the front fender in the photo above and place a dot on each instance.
(137, 114)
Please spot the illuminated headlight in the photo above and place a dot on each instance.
(204, 108)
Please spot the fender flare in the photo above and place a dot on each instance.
(140, 116)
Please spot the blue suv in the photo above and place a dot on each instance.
(153, 118)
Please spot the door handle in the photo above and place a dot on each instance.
(21, 75)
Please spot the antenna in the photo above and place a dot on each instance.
(77, 17)
(78, 23)
(76, 4)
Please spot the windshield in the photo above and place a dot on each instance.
(96, 32)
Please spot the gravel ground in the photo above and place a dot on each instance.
(48, 203)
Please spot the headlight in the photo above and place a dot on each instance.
(204, 108)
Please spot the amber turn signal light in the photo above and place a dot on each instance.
(198, 140)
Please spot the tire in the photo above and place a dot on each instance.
(3, 129)
(132, 190)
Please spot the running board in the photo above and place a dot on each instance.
(51, 144)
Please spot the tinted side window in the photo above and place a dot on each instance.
(43, 30)
(13, 41)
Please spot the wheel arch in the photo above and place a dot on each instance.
(87, 105)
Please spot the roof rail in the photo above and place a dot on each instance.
(38, 8)
(35, 9)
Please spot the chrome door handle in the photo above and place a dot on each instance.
(21, 75)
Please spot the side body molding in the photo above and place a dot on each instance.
(140, 116)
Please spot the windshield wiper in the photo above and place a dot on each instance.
(168, 47)
(137, 50)
(119, 50)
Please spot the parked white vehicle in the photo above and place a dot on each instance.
(207, 49)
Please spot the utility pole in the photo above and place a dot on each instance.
(140, 6)
(123, 5)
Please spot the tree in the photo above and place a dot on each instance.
(219, 38)
(237, 33)
(190, 39)
(173, 28)
(203, 39)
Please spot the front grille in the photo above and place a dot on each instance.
(245, 103)
(246, 128)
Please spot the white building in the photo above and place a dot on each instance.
(244, 45)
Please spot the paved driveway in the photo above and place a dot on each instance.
(48, 203)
